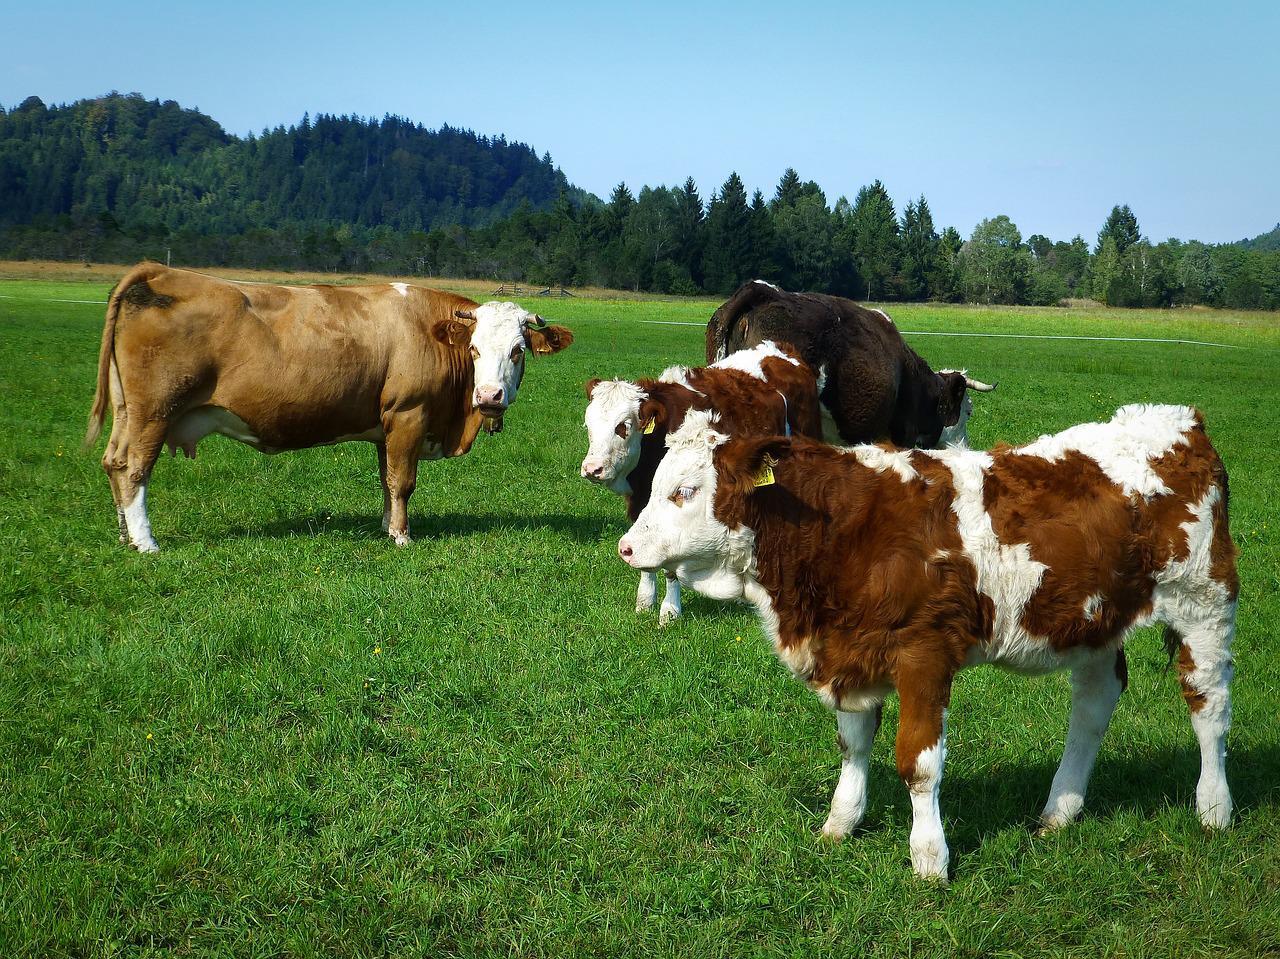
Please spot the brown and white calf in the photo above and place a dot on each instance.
(758, 392)
(416, 372)
(876, 570)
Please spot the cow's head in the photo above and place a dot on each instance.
(692, 523)
(614, 427)
(498, 335)
(955, 405)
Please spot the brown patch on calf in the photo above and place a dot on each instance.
(868, 572)
(1081, 526)
(1186, 666)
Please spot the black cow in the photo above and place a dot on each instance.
(873, 386)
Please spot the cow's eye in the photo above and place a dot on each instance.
(517, 352)
(623, 430)
(683, 495)
(475, 354)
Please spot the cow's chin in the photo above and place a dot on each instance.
(712, 579)
(490, 423)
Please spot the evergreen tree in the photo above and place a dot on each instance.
(875, 239)
(764, 240)
(689, 220)
(1121, 226)
(727, 259)
(788, 192)
(920, 251)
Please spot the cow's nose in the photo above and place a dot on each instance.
(624, 549)
(592, 469)
(489, 396)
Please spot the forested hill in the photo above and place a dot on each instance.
(157, 168)
(1264, 241)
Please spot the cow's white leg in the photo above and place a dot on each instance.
(921, 751)
(646, 592)
(137, 523)
(671, 608)
(1095, 688)
(1205, 670)
(849, 802)
(142, 445)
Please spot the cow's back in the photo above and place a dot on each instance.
(299, 365)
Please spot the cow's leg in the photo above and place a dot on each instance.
(1205, 670)
(646, 592)
(849, 802)
(1096, 685)
(144, 443)
(921, 750)
(115, 460)
(671, 608)
(404, 443)
(386, 492)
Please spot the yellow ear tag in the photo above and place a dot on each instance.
(648, 427)
(764, 475)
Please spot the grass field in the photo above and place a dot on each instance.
(285, 736)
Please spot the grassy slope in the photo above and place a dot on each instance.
(284, 736)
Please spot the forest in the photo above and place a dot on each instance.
(120, 178)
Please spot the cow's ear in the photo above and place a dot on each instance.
(653, 415)
(750, 462)
(591, 386)
(548, 339)
(452, 333)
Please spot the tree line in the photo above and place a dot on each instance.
(121, 178)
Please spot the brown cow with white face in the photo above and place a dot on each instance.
(876, 570)
(756, 392)
(416, 372)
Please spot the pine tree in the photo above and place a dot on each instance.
(920, 250)
(875, 239)
(727, 258)
(788, 192)
(689, 227)
(1122, 226)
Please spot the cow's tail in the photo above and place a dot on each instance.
(107, 352)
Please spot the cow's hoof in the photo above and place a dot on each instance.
(401, 539)
(644, 605)
(147, 546)
(668, 615)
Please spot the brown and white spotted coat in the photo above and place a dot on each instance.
(876, 570)
(757, 392)
(417, 372)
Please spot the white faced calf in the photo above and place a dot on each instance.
(876, 570)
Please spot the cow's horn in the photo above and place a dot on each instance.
(538, 321)
(464, 314)
(980, 386)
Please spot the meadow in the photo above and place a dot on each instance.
(285, 736)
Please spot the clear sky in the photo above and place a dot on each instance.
(1048, 112)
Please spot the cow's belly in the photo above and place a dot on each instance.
(196, 424)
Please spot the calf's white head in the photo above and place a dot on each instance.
(678, 528)
(614, 429)
(498, 335)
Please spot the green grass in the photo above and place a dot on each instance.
(284, 736)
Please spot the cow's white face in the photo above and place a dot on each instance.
(498, 344)
(678, 529)
(613, 433)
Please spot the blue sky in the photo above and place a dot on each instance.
(1049, 113)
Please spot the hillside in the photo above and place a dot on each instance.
(154, 167)
(1264, 241)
